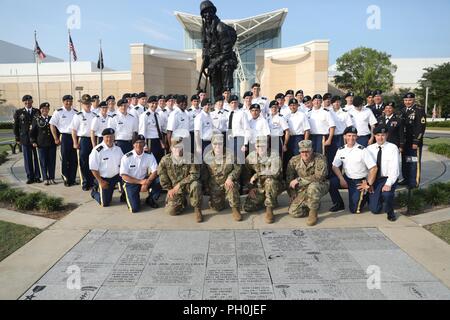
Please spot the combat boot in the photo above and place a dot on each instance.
(269, 215)
(198, 215)
(236, 214)
(312, 219)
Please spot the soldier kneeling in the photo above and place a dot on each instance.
(221, 177)
(265, 183)
(307, 176)
(180, 177)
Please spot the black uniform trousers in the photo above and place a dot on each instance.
(69, 163)
(31, 162)
(47, 162)
(86, 177)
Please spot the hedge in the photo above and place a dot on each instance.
(438, 124)
(7, 125)
(437, 194)
(440, 148)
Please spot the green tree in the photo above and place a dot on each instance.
(364, 69)
(437, 79)
(397, 97)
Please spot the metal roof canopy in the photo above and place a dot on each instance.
(245, 28)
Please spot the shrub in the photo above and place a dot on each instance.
(29, 201)
(441, 148)
(417, 201)
(437, 195)
(50, 204)
(10, 196)
(3, 157)
(7, 125)
(438, 124)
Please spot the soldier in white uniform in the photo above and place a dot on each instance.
(258, 125)
(111, 101)
(125, 125)
(247, 104)
(104, 163)
(299, 95)
(141, 107)
(342, 121)
(226, 99)
(299, 128)
(327, 101)
(203, 131)
(306, 105)
(81, 136)
(220, 116)
(178, 122)
(357, 166)
(322, 126)
(139, 174)
(349, 101)
(60, 123)
(95, 107)
(363, 119)
(99, 123)
(279, 129)
(150, 128)
(262, 101)
(238, 130)
(283, 108)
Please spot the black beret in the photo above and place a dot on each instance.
(110, 98)
(108, 131)
(306, 99)
(161, 97)
(256, 85)
(317, 96)
(358, 101)
(255, 106)
(234, 98)
(380, 129)
(369, 93)
(139, 137)
(121, 102)
(44, 105)
(279, 96)
(293, 101)
(201, 91)
(195, 97)
(134, 95)
(226, 90)
(349, 94)
(248, 94)
(181, 98)
(142, 95)
(291, 92)
(67, 97)
(336, 98)
(299, 92)
(391, 104)
(350, 130)
(95, 97)
(377, 92)
(327, 96)
(409, 95)
(126, 96)
(27, 97)
(220, 98)
(206, 101)
(103, 104)
(169, 97)
(153, 99)
(274, 103)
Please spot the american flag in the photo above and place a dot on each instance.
(72, 48)
(38, 52)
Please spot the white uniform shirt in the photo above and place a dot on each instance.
(62, 119)
(264, 105)
(194, 113)
(178, 123)
(277, 125)
(138, 167)
(342, 120)
(163, 116)
(204, 125)
(320, 121)
(356, 161)
(348, 107)
(284, 110)
(99, 124)
(123, 125)
(298, 123)
(389, 160)
(220, 119)
(226, 106)
(137, 111)
(111, 113)
(258, 127)
(239, 124)
(82, 123)
(95, 111)
(105, 160)
(147, 125)
(362, 119)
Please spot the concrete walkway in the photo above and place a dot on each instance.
(23, 268)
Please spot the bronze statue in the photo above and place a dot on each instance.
(218, 56)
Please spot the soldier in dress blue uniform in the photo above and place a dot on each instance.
(60, 124)
(23, 119)
(415, 122)
(395, 125)
(378, 105)
(41, 138)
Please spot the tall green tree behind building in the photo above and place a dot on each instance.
(437, 79)
(363, 69)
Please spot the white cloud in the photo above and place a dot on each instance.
(151, 29)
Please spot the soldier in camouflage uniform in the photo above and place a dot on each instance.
(221, 177)
(307, 177)
(180, 177)
(265, 182)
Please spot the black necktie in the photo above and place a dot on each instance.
(157, 126)
(379, 161)
(230, 121)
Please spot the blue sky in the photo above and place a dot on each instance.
(409, 28)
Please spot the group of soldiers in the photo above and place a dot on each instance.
(307, 146)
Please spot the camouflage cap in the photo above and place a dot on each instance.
(86, 99)
(217, 138)
(261, 141)
(175, 140)
(305, 145)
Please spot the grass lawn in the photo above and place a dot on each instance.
(438, 128)
(441, 230)
(13, 237)
(431, 141)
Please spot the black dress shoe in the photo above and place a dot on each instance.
(392, 217)
(85, 188)
(47, 183)
(337, 207)
(38, 180)
(66, 184)
(123, 198)
(149, 201)
(54, 182)
(29, 181)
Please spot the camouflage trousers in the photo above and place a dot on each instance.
(178, 203)
(308, 198)
(218, 195)
(266, 196)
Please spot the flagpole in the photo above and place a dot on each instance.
(101, 71)
(37, 70)
(70, 67)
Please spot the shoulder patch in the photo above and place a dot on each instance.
(225, 110)
(136, 108)
(343, 147)
(129, 154)
(148, 113)
(60, 109)
(164, 110)
(264, 98)
(100, 148)
(361, 147)
(97, 116)
(78, 113)
(75, 110)
(112, 116)
(344, 110)
(326, 110)
(130, 115)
